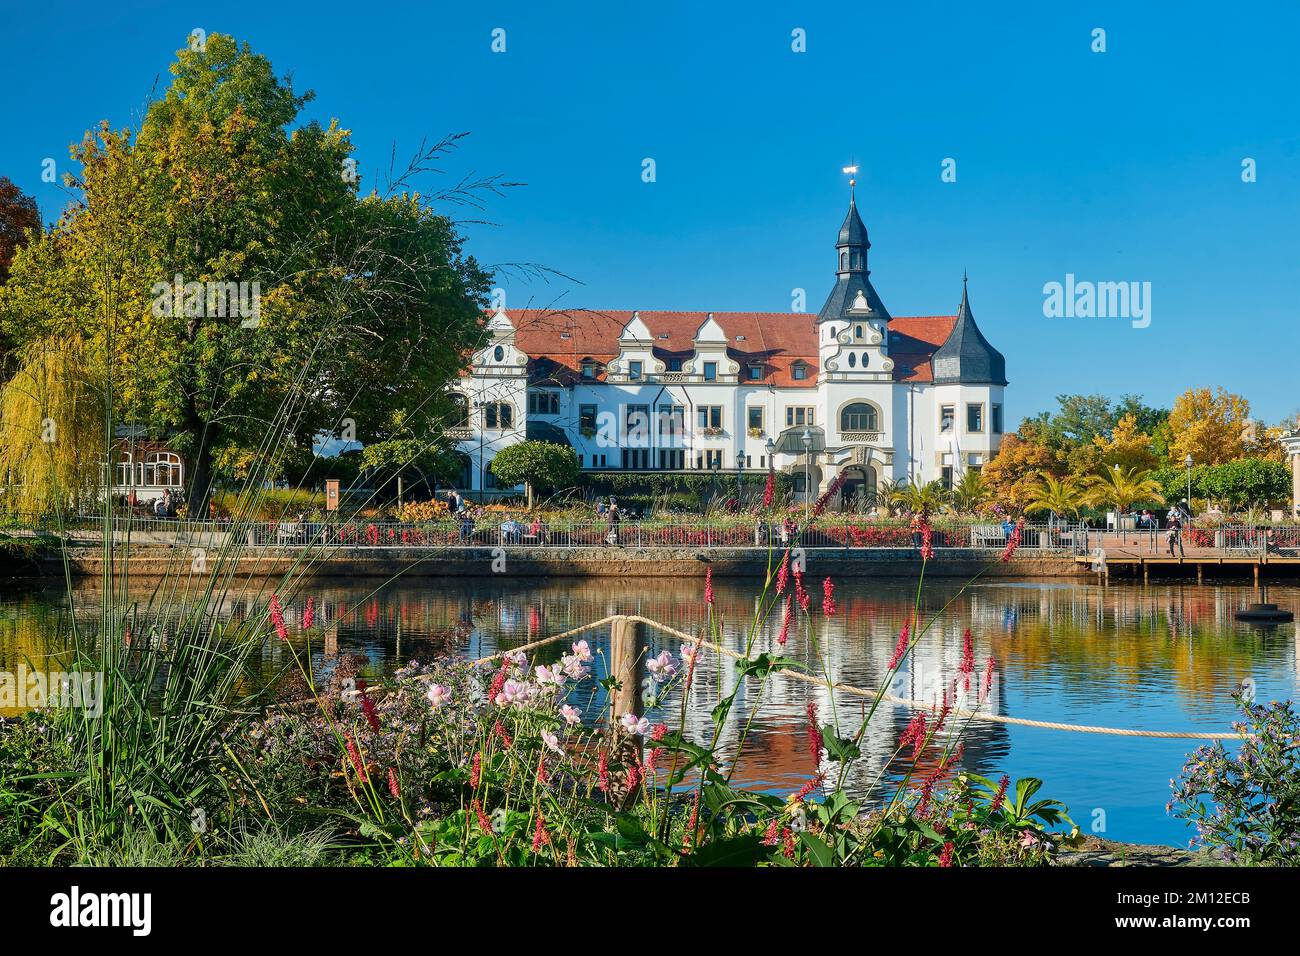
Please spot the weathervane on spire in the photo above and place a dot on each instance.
(852, 173)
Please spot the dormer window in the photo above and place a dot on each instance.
(588, 368)
(499, 353)
(799, 371)
(634, 371)
(710, 371)
(755, 372)
(857, 332)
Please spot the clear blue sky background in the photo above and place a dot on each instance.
(1124, 165)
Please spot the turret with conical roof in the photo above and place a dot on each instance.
(966, 358)
(853, 298)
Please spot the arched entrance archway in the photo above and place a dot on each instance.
(858, 492)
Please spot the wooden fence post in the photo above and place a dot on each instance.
(627, 665)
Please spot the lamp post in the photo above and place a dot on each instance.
(1188, 462)
(769, 446)
(714, 465)
(740, 472)
(1119, 515)
(806, 438)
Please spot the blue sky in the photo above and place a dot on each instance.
(1115, 166)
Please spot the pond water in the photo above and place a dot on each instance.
(1161, 657)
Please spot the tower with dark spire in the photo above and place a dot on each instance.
(852, 299)
(967, 358)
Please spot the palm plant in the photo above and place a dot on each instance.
(971, 492)
(1122, 488)
(925, 498)
(1057, 496)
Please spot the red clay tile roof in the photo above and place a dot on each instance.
(557, 340)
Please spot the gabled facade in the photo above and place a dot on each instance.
(850, 390)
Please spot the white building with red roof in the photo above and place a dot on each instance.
(850, 390)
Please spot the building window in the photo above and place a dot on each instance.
(946, 413)
(755, 418)
(995, 421)
(974, 417)
(636, 425)
(672, 459)
(857, 331)
(853, 360)
(459, 416)
(859, 417)
(674, 364)
(499, 353)
(710, 371)
(672, 423)
(162, 469)
(499, 415)
(634, 371)
(709, 418)
(755, 372)
(798, 483)
(587, 418)
(800, 415)
(709, 459)
(799, 371)
(636, 459)
(588, 368)
(946, 477)
(543, 403)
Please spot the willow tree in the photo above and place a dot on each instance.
(234, 285)
(52, 431)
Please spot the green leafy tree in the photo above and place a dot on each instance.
(1016, 470)
(363, 306)
(19, 217)
(538, 465)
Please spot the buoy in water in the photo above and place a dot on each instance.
(1267, 613)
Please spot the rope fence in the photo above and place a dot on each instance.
(863, 692)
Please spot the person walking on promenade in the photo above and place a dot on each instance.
(1174, 532)
(611, 535)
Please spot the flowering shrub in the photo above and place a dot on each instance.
(430, 510)
(1246, 807)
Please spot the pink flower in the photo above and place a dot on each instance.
(1013, 540)
(773, 833)
(901, 647)
(988, 675)
(825, 499)
(945, 858)
(785, 621)
(1028, 839)
(662, 667)
(814, 735)
(636, 725)
(769, 490)
(309, 614)
(800, 593)
(514, 692)
(570, 714)
(541, 768)
(355, 755)
(392, 784)
(476, 770)
(550, 676)
(438, 695)
(967, 653)
(1000, 795)
(540, 836)
(500, 730)
(277, 619)
(828, 598)
(915, 735)
(602, 771)
(708, 586)
(552, 741)
(582, 650)
(783, 574)
(484, 823)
